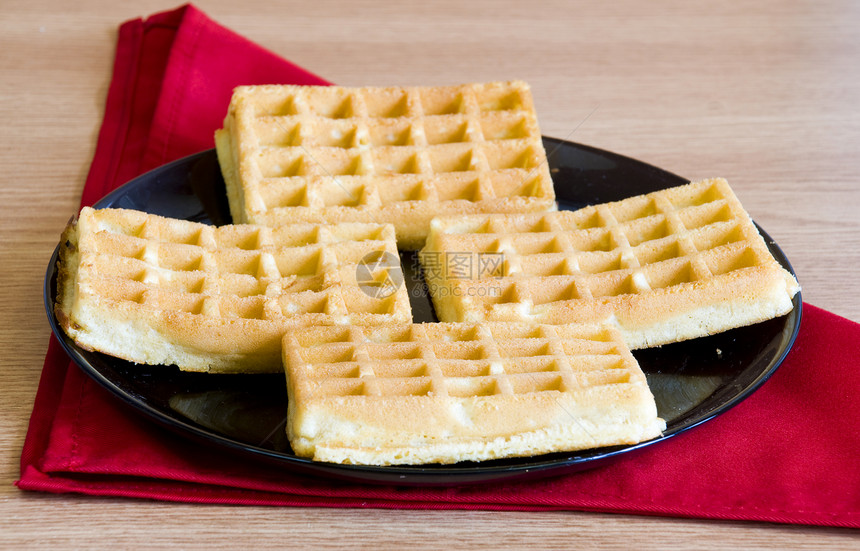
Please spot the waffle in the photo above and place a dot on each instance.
(664, 267)
(384, 155)
(155, 290)
(444, 393)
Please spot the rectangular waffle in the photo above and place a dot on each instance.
(155, 290)
(672, 265)
(444, 393)
(398, 155)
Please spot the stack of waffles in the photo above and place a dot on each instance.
(538, 309)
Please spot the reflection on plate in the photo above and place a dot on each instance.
(693, 381)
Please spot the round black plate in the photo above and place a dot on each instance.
(692, 382)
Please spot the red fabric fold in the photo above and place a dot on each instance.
(787, 454)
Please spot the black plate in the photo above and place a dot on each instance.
(693, 381)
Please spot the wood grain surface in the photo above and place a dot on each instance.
(764, 93)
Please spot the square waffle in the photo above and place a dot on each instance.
(155, 290)
(385, 155)
(672, 265)
(444, 393)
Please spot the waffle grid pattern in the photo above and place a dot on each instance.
(453, 360)
(365, 154)
(443, 393)
(234, 272)
(583, 265)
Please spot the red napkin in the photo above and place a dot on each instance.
(787, 454)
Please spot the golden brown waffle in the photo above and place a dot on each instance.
(443, 393)
(155, 290)
(668, 266)
(384, 155)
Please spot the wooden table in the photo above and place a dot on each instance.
(763, 93)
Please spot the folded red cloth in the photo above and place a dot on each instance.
(787, 454)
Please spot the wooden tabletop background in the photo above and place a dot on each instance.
(763, 93)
